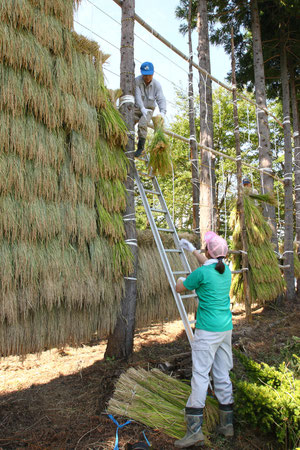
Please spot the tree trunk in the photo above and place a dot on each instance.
(193, 141)
(240, 202)
(264, 144)
(288, 176)
(120, 342)
(207, 174)
(295, 111)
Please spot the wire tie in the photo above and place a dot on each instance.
(130, 278)
(131, 242)
(126, 99)
(242, 251)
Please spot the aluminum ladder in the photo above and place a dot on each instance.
(164, 252)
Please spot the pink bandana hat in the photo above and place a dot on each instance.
(216, 245)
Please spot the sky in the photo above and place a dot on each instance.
(100, 20)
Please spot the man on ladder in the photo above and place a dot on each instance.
(148, 94)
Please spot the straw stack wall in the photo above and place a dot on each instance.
(62, 168)
(62, 267)
(155, 301)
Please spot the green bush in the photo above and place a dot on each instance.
(269, 399)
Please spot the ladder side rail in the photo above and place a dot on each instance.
(165, 261)
(171, 225)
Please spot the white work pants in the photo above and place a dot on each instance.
(211, 350)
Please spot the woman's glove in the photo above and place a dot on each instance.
(184, 243)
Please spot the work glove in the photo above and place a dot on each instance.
(184, 243)
(163, 115)
(144, 111)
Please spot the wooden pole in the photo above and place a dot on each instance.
(207, 172)
(240, 202)
(193, 141)
(120, 342)
(288, 172)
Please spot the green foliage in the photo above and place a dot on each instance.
(290, 353)
(269, 399)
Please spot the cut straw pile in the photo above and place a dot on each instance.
(160, 159)
(158, 401)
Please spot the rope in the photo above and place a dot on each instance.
(119, 427)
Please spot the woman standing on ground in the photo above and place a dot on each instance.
(211, 348)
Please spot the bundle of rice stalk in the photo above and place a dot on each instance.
(160, 159)
(269, 197)
(265, 278)
(158, 401)
(111, 125)
(112, 163)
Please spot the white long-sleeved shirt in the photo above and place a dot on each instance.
(149, 96)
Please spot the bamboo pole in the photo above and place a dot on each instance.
(216, 152)
(204, 72)
(240, 202)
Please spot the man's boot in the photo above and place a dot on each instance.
(226, 420)
(194, 435)
(140, 147)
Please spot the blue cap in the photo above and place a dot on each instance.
(147, 68)
(246, 180)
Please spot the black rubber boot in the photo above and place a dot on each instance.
(140, 147)
(194, 435)
(226, 420)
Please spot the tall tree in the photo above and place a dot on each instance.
(264, 143)
(120, 341)
(207, 172)
(295, 112)
(288, 175)
(193, 142)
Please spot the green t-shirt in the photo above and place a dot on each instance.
(212, 288)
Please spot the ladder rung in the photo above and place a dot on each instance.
(168, 230)
(144, 174)
(152, 192)
(181, 272)
(172, 250)
(159, 210)
(189, 295)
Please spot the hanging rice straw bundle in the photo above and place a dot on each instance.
(160, 159)
(265, 278)
(158, 401)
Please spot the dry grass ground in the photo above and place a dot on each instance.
(57, 400)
